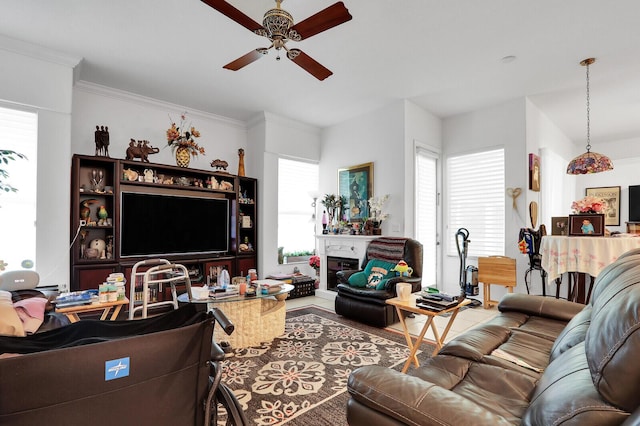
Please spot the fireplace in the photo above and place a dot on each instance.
(339, 253)
(335, 264)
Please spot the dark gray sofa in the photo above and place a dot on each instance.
(582, 365)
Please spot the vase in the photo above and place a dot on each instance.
(183, 157)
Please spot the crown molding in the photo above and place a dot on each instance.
(110, 92)
(38, 52)
(290, 123)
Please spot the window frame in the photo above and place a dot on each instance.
(302, 207)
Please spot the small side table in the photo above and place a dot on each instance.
(106, 307)
(410, 306)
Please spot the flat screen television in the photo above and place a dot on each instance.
(156, 225)
(634, 203)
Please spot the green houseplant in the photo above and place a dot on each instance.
(7, 155)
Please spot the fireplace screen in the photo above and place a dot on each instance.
(335, 264)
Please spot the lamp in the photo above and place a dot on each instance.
(589, 162)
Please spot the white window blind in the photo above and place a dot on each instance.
(19, 130)
(297, 180)
(475, 200)
(427, 213)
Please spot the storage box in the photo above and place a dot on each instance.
(303, 285)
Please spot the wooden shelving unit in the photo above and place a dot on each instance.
(97, 184)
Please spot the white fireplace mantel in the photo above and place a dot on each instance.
(347, 246)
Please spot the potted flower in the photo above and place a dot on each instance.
(376, 215)
(589, 205)
(182, 141)
(314, 262)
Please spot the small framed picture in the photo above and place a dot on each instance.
(560, 225)
(534, 172)
(586, 225)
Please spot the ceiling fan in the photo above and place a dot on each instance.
(278, 27)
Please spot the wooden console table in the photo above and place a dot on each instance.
(409, 306)
(106, 307)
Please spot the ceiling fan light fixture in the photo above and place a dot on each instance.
(589, 162)
(277, 22)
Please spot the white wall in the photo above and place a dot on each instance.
(274, 136)
(133, 116)
(41, 80)
(377, 137)
(499, 126)
(421, 128)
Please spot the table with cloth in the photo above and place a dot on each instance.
(581, 255)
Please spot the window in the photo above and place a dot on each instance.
(476, 201)
(297, 180)
(427, 213)
(19, 130)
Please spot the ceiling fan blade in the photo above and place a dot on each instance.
(309, 64)
(245, 60)
(330, 17)
(228, 10)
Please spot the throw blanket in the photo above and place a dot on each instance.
(387, 248)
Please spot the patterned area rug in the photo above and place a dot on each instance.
(301, 377)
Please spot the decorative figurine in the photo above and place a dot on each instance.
(140, 150)
(214, 183)
(130, 175)
(97, 177)
(98, 247)
(148, 175)
(219, 164)
(85, 210)
(102, 216)
(324, 222)
(226, 186)
(241, 162)
(102, 141)
(110, 247)
(83, 242)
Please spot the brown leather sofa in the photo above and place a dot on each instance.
(369, 305)
(582, 366)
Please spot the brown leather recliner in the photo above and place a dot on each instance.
(369, 305)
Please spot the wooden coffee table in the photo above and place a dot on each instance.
(409, 306)
(106, 307)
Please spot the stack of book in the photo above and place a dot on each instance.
(219, 293)
(268, 286)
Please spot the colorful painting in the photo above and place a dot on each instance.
(356, 185)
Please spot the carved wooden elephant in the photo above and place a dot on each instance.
(141, 150)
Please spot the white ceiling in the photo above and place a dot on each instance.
(444, 55)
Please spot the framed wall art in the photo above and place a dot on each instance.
(586, 225)
(356, 185)
(611, 194)
(534, 172)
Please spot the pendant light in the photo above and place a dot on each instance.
(589, 162)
